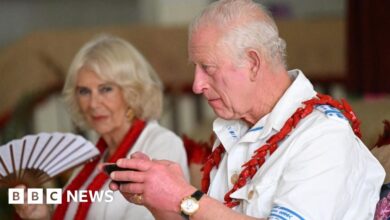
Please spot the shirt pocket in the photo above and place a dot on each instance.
(256, 197)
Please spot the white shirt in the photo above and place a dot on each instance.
(158, 143)
(321, 170)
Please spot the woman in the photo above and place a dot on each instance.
(113, 90)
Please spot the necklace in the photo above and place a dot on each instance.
(258, 158)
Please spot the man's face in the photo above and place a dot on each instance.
(226, 86)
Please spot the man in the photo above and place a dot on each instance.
(281, 151)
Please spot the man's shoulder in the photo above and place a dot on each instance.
(324, 119)
(331, 112)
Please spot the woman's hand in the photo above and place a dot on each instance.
(32, 211)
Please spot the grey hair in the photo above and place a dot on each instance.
(249, 26)
(117, 61)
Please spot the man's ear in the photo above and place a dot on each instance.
(254, 59)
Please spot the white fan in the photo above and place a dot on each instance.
(34, 159)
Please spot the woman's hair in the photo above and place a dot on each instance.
(248, 25)
(115, 60)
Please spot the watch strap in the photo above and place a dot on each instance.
(197, 195)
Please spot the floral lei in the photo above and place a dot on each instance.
(258, 158)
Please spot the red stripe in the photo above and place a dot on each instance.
(121, 152)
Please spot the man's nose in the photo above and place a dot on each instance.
(199, 83)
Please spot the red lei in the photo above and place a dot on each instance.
(258, 158)
(99, 180)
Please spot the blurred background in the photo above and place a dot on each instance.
(341, 45)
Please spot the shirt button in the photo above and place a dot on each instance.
(234, 178)
(250, 194)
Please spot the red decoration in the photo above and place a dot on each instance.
(197, 152)
(121, 152)
(250, 167)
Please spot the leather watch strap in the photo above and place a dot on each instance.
(197, 195)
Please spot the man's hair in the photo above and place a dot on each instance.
(248, 26)
(117, 61)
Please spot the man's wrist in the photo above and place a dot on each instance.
(190, 204)
(183, 194)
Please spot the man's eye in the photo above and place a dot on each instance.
(205, 67)
(208, 69)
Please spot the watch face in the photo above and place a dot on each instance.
(189, 206)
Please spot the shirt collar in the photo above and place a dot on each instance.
(299, 91)
(230, 132)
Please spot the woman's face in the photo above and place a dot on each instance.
(102, 103)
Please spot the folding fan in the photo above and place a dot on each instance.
(34, 159)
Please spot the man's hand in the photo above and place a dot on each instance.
(156, 184)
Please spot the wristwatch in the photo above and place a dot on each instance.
(190, 204)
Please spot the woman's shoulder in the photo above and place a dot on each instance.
(161, 143)
(158, 132)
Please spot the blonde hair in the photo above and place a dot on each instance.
(115, 60)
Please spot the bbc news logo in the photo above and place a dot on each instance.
(54, 196)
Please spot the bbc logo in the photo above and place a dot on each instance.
(35, 196)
